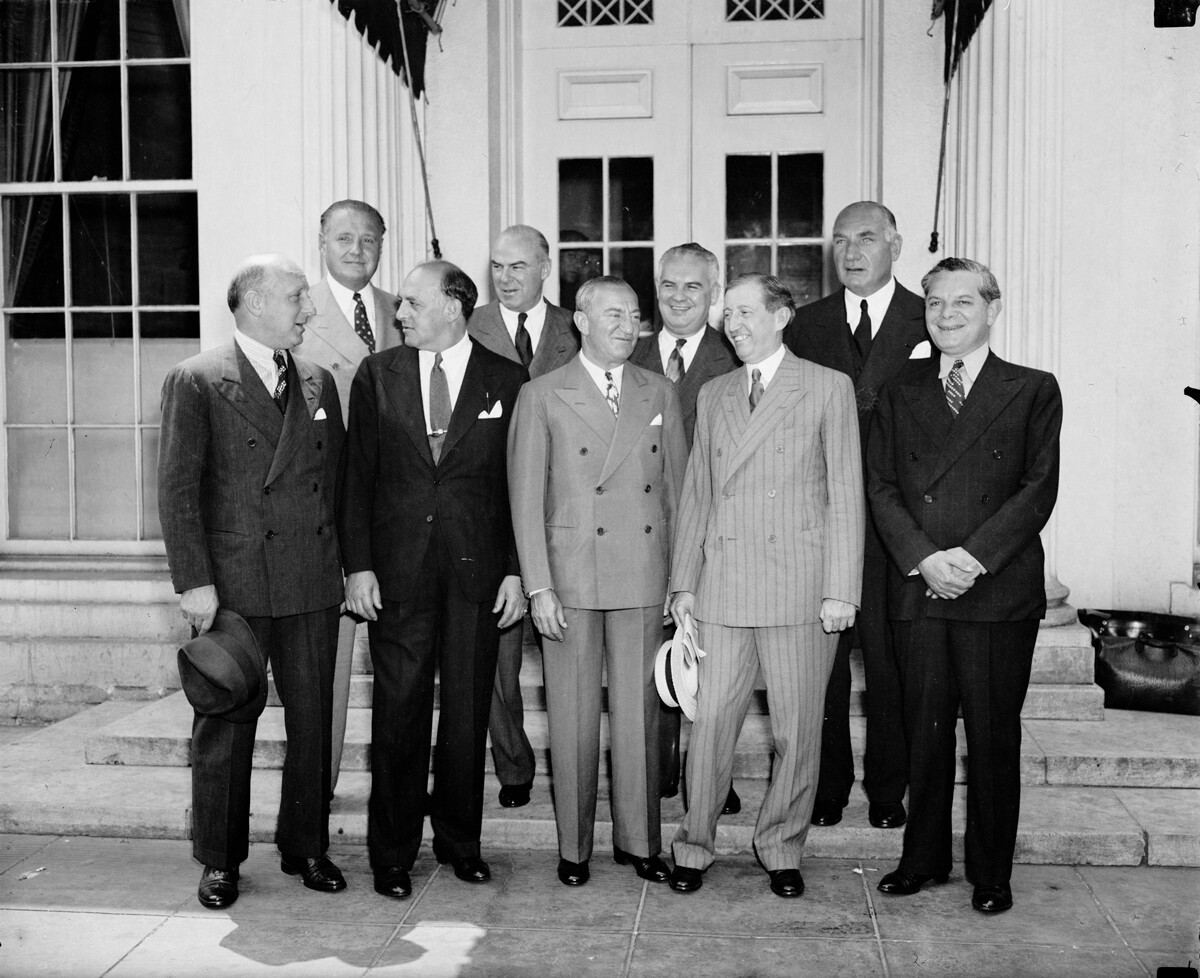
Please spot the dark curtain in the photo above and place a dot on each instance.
(379, 22)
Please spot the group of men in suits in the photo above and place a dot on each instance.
(468, 493)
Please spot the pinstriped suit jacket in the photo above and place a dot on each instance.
(772, 515)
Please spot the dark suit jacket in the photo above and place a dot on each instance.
(713, 357)
(558, 343)
(392, 494)
(986, 481)
(245, 494)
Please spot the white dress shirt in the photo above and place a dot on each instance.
(766, 368)
(667, 341)
(261, 357)
(535, 322)
(345, 300)
(454, 364)
(598, 378)
(877, 306)
(972, 364)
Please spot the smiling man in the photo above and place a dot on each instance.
(963, 475)
(246, 480)
(768, 561)
(595, 461)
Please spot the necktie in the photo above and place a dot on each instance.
(675, 363)
(280, 393)
(523, 342)
(756, 388)
(439, 407)
(611, 395)
(361, 325)
(862, 332)
(955, 393)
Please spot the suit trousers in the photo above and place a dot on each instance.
(512, 753)
(436, 628)
(300, 650)
(885, 765)
(625, 642)
(347, 626)
(795, 662)
(985, 666)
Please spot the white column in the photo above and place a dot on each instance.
(1003, 203)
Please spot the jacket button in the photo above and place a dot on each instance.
(983, 498)
(583, 451)
(600, 532)
(647, 488)
(914, 457)
(647, 527)
(599, 490)
(718, 453)
(320, 530)
(997, 454)
(727, 495)
(335, 365)
(270, 534)
(251, 442)
(771, 538)
(779, 449)
(771, 495)
(318, 446)
(928, 499)
(653, 448)
(266, 490)
(428, 519)
(316, 488)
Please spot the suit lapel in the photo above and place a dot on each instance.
(304, 397)
(241, 386)
(489, 329)
(898, 334)
(402, 386)
(475, 396)
(637, 410)
(584, 398)
(331, 325)
(556, 344)
(836, 332)
(781, 396)
(386, 333)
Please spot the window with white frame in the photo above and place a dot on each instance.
(99, 289)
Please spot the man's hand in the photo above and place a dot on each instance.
(948, 577)
(199, 606)
(683, 603)
(510, 600)
(836, 616)
(362, 595)
(547, 612)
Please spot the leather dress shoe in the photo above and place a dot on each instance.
(573, 874)
(218, 888)
(650, 868)
(514, 795)
(393, 881)
(888, 815)
(317, 872)
(906, 884)
(733, 804)
(469, 869)
(786, 882)
(826, 813)
(684, 879)
(992, 898)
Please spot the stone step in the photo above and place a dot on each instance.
(49, 789)
(1116, 752)
(75, 587)
(148, 664)
(125, 622)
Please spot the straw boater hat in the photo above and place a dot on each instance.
(222, 672)
(677, 669)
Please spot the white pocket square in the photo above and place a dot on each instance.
(657, 419)
(496, 411)
(921, 351)
(320, 415)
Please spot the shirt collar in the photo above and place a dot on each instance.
(597, 373)
(345, 298)
(534, 317)
(972, 363)
(255, 351)
(766, 368)
(453, 357)
(667, 341)
(877, 305)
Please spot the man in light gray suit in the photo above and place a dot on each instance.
(353, 319)
(768, 561)
(524, 327)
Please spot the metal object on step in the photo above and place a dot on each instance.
(1146, 661)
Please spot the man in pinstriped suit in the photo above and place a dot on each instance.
(768, 561)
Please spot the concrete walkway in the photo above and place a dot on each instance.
(87, 907)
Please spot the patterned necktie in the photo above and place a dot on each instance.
(361, 324)
(862, 333)
(611, 395)
(955, 393)
(439, 407)
(281, 384)
(756, 388)
(675, 363)
(523, 343)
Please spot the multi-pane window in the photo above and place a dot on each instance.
(774, 220)
(99, 290)
(604, 13)
(759, 10)
(606, 225)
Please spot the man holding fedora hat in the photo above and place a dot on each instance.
(246, 477)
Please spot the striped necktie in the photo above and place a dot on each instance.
(955, 393)
(279, 396)
(611, 394)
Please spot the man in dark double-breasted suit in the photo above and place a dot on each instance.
(246, 476)
(430, 563)
(868, 329)
(522, 326)
(963, 474)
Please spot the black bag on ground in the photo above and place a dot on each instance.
(1146, 661)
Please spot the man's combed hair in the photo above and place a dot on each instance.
(692, 250)
(989, 288)
(587, 291)
(536, 236)
(775, 294)
(248, 278)
(358, 207)
(456, 284)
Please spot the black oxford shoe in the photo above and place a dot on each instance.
(469, 869)
(686, 880)
(573, 874)
(906, 884)
(514, 795)
(733, 804)
(994, 898)
(218, 888)
(889, 815)
(393, 881)
(318, 873)
(786, 882)
(650, 868)
(826, 813)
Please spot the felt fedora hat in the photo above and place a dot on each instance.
(221, 671)
(677, 670)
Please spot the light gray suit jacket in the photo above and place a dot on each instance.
(558, 343)
(771, 519)
(330, 340)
